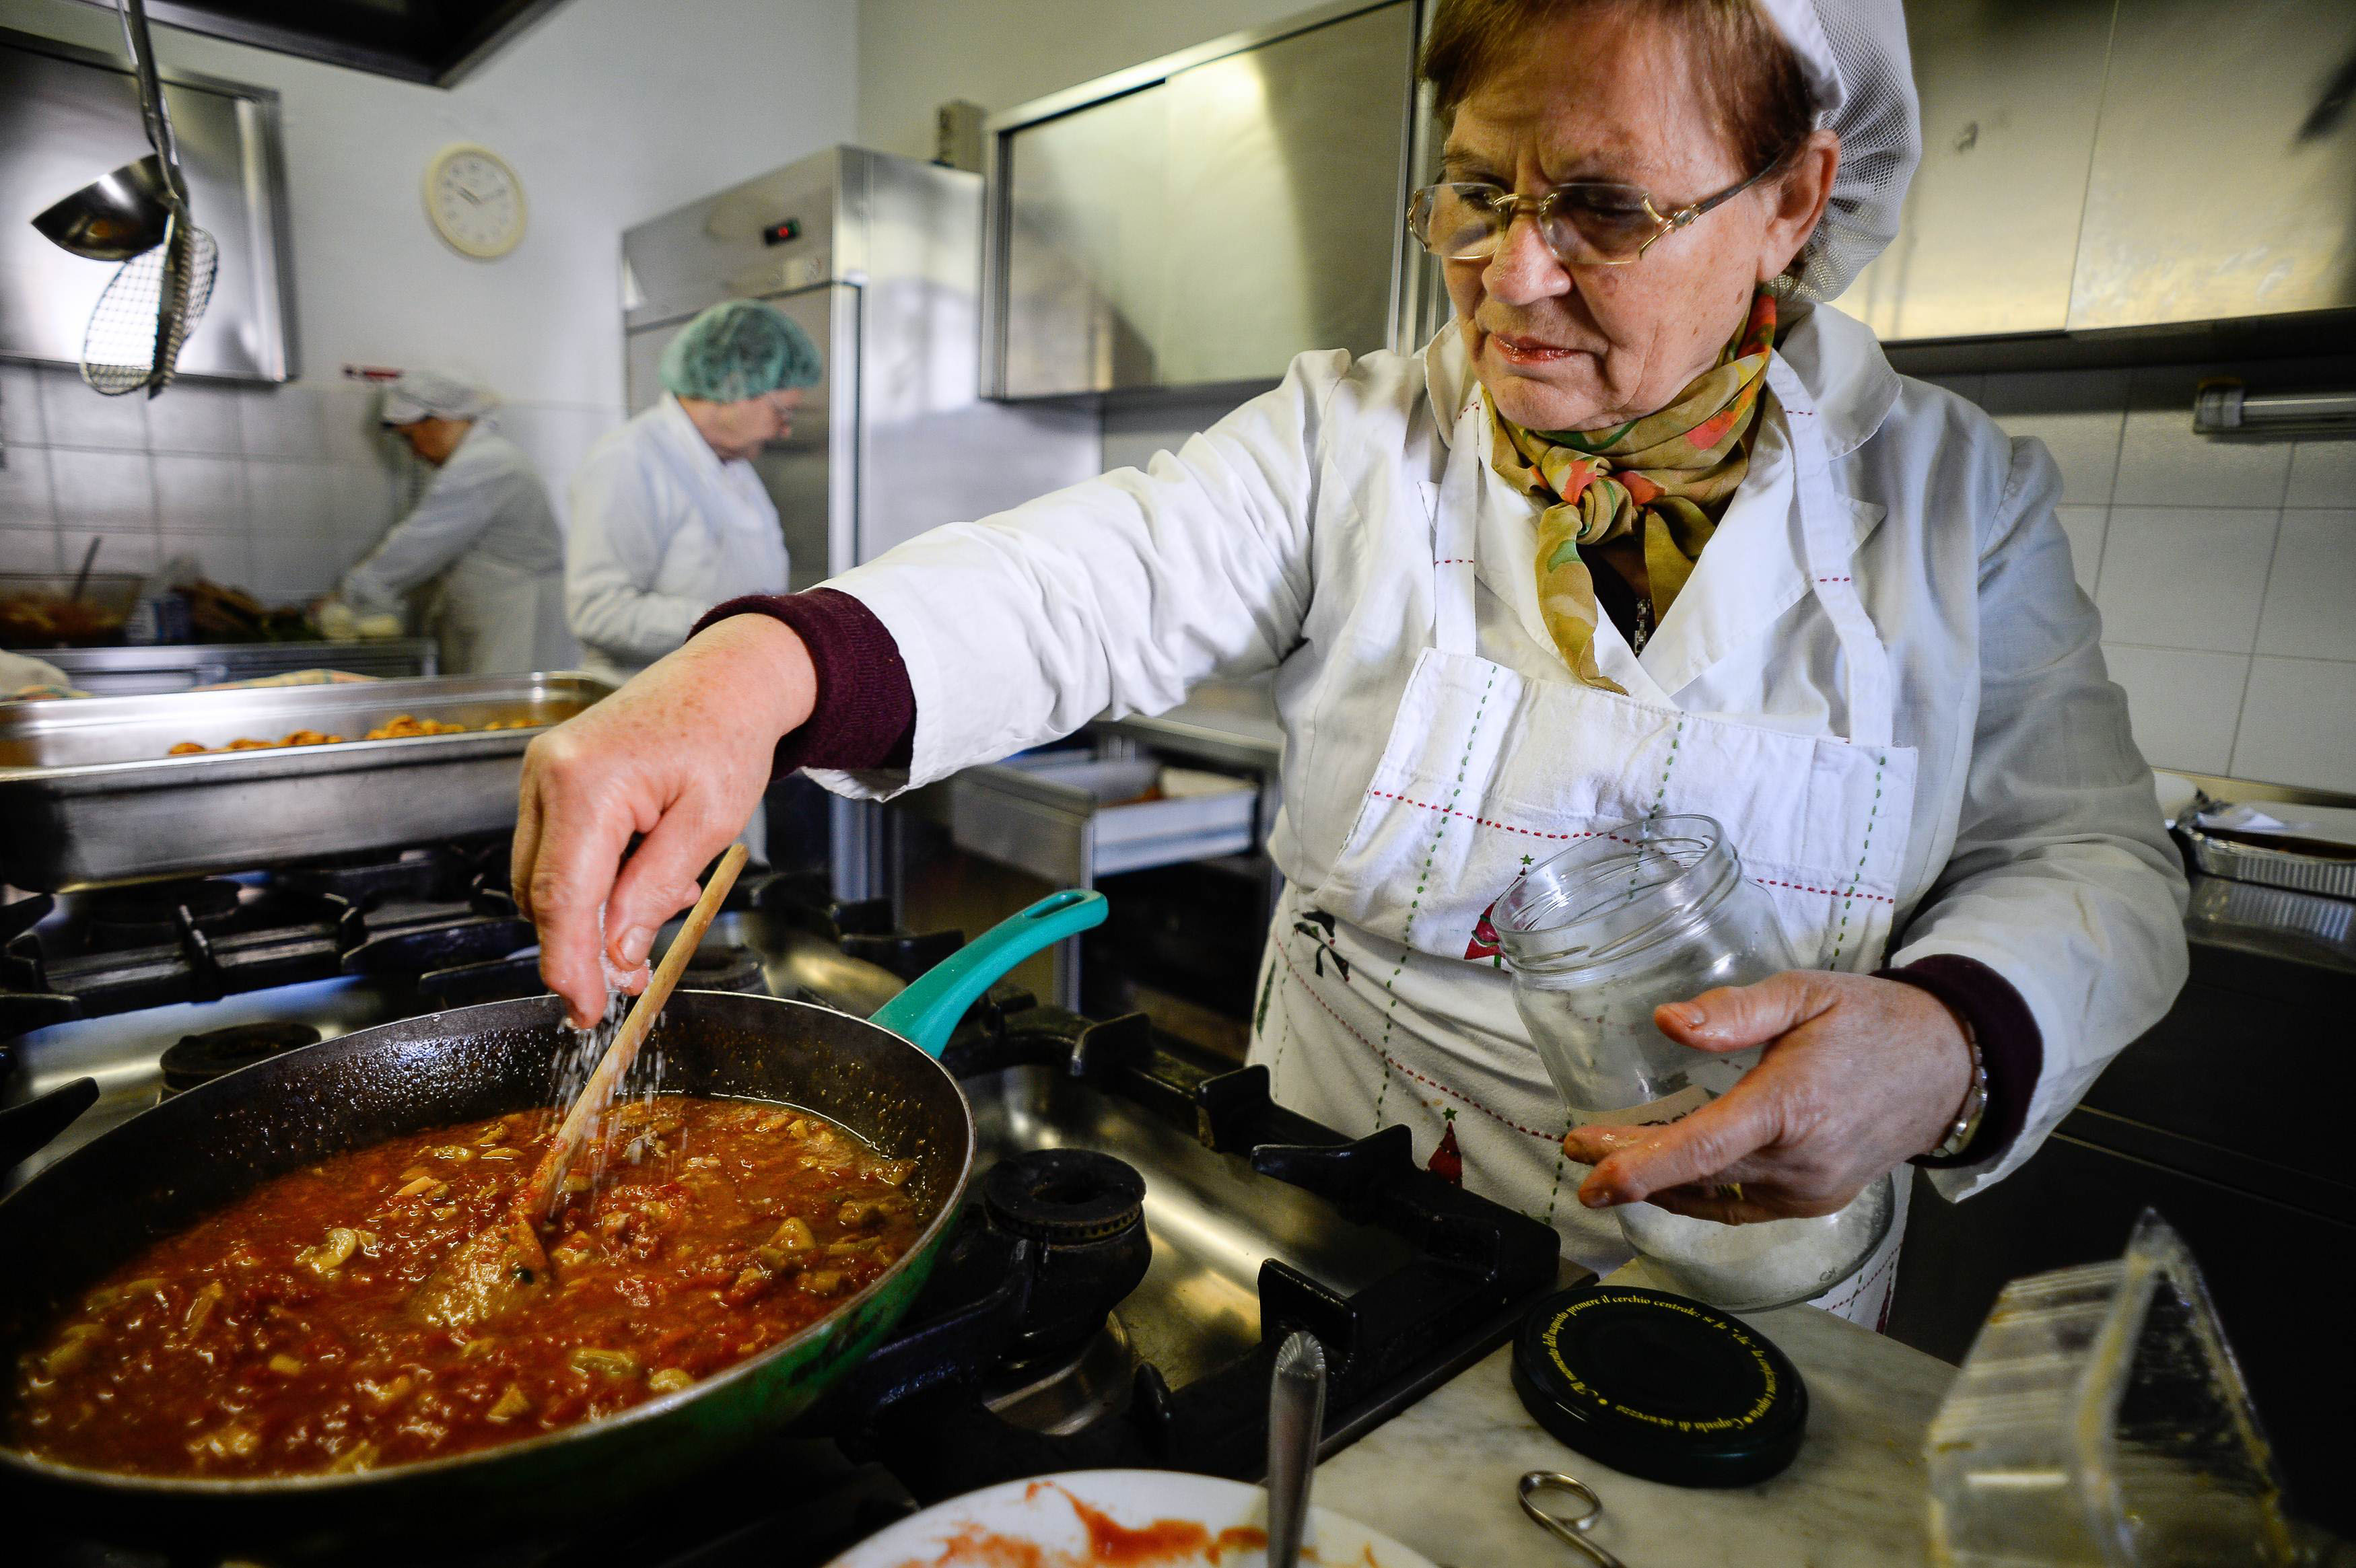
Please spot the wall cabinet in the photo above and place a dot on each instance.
(1201, 221)
(2096, 164)
(2224, 182)
(1988, 243)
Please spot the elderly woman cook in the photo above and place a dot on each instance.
(1648, 529)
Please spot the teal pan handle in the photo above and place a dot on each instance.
(927, 1012)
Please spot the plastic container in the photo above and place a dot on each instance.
(2099, 1418)
(1635, 915)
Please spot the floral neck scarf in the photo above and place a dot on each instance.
(1668, 474)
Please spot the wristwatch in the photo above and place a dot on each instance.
(1966, 1125)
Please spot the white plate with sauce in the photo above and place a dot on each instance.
(1115, 1518)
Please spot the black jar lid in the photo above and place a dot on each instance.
(1660, 1386)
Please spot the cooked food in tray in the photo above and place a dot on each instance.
(400, 726)
(279, 1335)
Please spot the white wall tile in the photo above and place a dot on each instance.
(2085, 525)
(2085, 448)
(25, 489)
(108, 490)
(28, 550)
(197, 416)
(361, 502)
(2322, 473)
(2299, 724)
(2162, 462)
(125, 550)
(286, 422)
(2182, 705)
(295, 568)
(348, 413)
(20, 406)
(2186, 577)
(222, 557)
(2078, 414)
(201, 494)
(2310, 608)
(289, 498)
(76, 416)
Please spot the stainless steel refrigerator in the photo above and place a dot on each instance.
(879, 257)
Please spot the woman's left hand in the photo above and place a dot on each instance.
(1860, 1074)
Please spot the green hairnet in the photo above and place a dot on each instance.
(737, 350)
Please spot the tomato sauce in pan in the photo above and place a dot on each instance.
(276, 1336)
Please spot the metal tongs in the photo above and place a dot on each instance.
(1571, 1529)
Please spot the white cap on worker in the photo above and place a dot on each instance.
(416, 395)
(1859, 70)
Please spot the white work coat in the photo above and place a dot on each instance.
(485, 540)
(1299, 534)
(662, 530)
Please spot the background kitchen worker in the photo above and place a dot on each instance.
(669, 518)
(1648, 527)
(481, 540)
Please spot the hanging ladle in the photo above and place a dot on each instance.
(115, 217)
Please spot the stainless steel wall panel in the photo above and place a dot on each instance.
(712, 249)
(1200, 219)
(883, 275)
(930, 450)
(2224, 182)
(1284, 203)
(69, 115)
(1087, 283)
(798, 471)
(1990, 230)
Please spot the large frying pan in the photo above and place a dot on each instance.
(157, 1172)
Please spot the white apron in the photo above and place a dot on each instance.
(493, 618)
(1381, 1000)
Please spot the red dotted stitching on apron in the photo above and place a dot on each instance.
(1829, 893)
(1456, 560)
(1536, 833)
(1836, 580)
(1400, 1066)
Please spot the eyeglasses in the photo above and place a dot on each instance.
(1588, 223)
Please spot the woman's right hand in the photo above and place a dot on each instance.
(679, 755)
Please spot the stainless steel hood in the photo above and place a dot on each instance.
(433, 41)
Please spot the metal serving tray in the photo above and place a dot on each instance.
(2274, 868)
(88, 794)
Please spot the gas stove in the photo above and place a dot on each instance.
(1143, 1228)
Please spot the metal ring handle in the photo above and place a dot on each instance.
(1570, 1530)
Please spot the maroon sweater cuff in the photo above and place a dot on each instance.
(2012, 1048)
(865, 715)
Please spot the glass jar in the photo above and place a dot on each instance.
(1633, 916)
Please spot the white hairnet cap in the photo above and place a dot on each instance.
(1854, 55)
(416, 395)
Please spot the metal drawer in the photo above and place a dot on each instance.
(1072, 820)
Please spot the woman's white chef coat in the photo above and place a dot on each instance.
(662, 530)
(1299, 534)
(484, 536)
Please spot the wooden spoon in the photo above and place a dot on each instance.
(496, 1270)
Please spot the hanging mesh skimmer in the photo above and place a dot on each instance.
(153, 303)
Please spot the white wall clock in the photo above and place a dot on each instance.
(474, 201)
